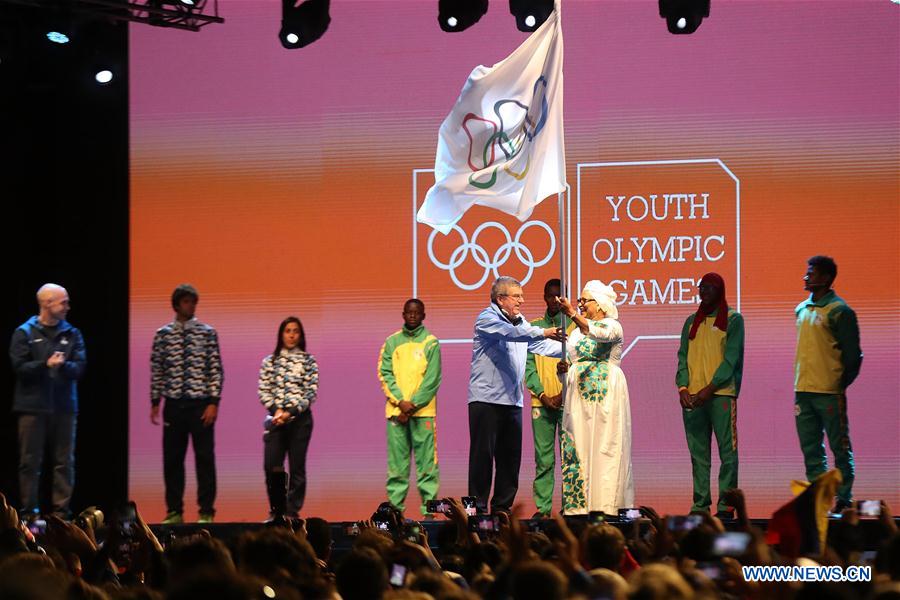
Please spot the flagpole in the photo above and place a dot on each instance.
(562, 203)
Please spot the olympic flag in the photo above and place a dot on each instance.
(502, 144)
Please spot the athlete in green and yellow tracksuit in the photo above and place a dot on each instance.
(409, 369)
(545, 386)
(828, 360)
(710, 368)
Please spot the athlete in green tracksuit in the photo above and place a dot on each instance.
(828, 360)
(545, 386)
(710, 367)
(409, 369)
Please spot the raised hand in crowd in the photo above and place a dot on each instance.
(567, 548)
(887, 519)
(70, 539)
(457, 515)
(733, 581)
(849, 516)
(9, 517)
(712, 521)
(660, 543)
(418, 552)
(134, 549)
(514, 536)
(298, 526)
(735, 498)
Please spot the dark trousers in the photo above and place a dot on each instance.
(181, 421)
(54, 432)
(291, 439)
(495, 438)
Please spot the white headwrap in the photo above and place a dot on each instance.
(604, 295)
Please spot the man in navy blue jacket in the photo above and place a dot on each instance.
(48, 357)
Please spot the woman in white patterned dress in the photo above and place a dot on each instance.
(596, 438)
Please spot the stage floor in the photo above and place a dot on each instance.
(343, 540)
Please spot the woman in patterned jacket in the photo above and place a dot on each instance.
(288, 380)
(596, 438)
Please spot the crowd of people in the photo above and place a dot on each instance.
(561, 558)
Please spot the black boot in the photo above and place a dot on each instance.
(276, 487)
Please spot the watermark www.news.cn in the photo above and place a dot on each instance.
(811, 573)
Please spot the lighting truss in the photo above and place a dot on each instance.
(159, 13)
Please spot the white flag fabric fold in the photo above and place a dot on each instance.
(502, 144)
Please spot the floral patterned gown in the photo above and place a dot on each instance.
(596, 438)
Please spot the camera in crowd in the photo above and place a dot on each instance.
(731, 543)
(125, 522)
(482, 524)
(388, 518)
(398, 575)
(441, 506)
(411, 531)
(352, 529)
(90, 519)
(468, 503)
(438, 507)
(37, 526)
(868, 509)
(680, 523)
(627, 515)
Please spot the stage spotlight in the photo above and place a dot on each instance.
(459, 15)
(304, 24)
(57, 37)
(683, 16)
(103, 76)
(530, 14)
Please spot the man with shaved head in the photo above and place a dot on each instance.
(48, 357)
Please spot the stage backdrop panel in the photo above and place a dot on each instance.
(285, 183)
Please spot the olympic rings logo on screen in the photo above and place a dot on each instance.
(491, 263)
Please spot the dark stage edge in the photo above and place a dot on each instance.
(872, 534)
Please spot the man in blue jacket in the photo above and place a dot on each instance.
(48, 357)
(502, 341)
